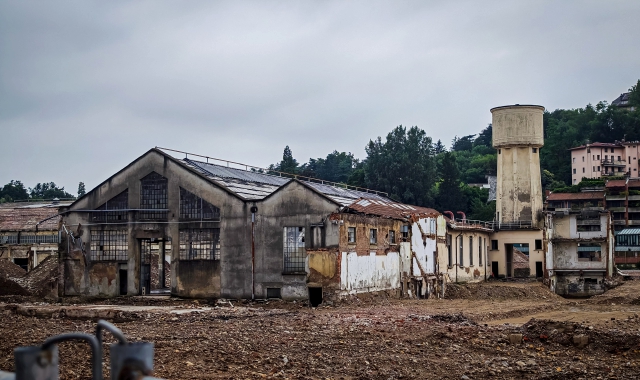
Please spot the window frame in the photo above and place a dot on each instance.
(294, 255)
(349, 235)
(373, 236)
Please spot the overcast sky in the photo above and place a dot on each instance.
(86, 87)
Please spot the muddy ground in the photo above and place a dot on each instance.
(494, 330)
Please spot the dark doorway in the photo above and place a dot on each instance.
(315, 296)
(494, 269)
(538, 269)
(122, 278)
(22, 263)
(509, 257)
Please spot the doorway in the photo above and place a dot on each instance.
(494, 269)
(315, 296)
(538, 269)
(122, 279)
(155, 261)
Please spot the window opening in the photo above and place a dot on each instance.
(192, 207)
(294, 250)
(105, 215)
(405, 232)
(589, 252)
(535, 150)
(200, 244)
(109, 245)
(34, 239)
(494, 245)
(538, 244)
(351, 232)
(461, 263)
(480, 251)
(392, 237)
(450, 256)
(471, 251)
(274, 293)
(153, 195)
(373, 236)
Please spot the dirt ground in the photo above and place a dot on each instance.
(493, 330)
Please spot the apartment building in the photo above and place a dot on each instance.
(597, 160)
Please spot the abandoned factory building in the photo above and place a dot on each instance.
(198, 229)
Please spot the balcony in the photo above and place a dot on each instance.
(614, 163)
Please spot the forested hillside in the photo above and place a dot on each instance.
(414, 169)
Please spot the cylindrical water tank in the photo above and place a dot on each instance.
(517, 125)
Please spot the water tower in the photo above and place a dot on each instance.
(518, 137)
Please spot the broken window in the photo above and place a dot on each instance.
(200, 244)
(192, 207)
(538, 244)
(589, 252)
(108, 212)
(294, 250)
(494, 245)
(109, 245)
(153, 196)
(373, 236)
(351, 232)
(405, 232)
(392, 237)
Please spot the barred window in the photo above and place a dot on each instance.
(294, 250)
(192, 207)
(104, 214)
(109, 245)
(8, 238)
(35, 239)
(153, 195)
(200, 244)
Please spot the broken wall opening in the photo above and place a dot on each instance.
(315, 296)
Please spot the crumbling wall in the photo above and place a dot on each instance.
(369, 273)
(580, 284)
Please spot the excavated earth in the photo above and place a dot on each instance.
(492, 330)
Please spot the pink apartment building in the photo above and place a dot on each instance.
(596, 160)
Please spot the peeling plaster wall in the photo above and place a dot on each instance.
(466, 272)
(565, 256)
(515, 237)
(423, 245)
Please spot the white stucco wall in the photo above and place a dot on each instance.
(424, 249)
(369, 273)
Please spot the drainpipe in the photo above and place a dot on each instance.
(254, 209)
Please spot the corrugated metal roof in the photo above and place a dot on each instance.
(389, 209)
(256, 186)
(630, 231)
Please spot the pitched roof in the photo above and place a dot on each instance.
(622, 100)
(587, 195)
(24, 217)
(597, 145)
(256, 186)
(623, 183)
(389, 209)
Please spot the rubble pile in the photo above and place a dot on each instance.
(9, 269)
(9, 273)
(41, 282)
(499, 291)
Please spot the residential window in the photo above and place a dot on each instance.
(594, 169)
(153, 196)
(612, 151)
(294, 250)
(109, 245)
(582, 158)
(499, 151)
(470, 251)
(574, 171)
(598, 168)
(605, 150)
(351, 235)
(192, 207)
(588, 150)
(392, 237)
(574, 181)
(598, 157)
(461, 253)
(103, 214)
(594, 157)
(480, 251)
(574, 160)
(583, 170)
(538, 244)
(200, 244)
(619, 158)
(449, 250)
(494, 245)
(373, 236)
(606, 157)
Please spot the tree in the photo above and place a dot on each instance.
(48, 191)
(81, 189)
(485, 138)
(13, 191)
(450, 196)
(462, 143)
(288, 163)
(402, 165)
(439, 148)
